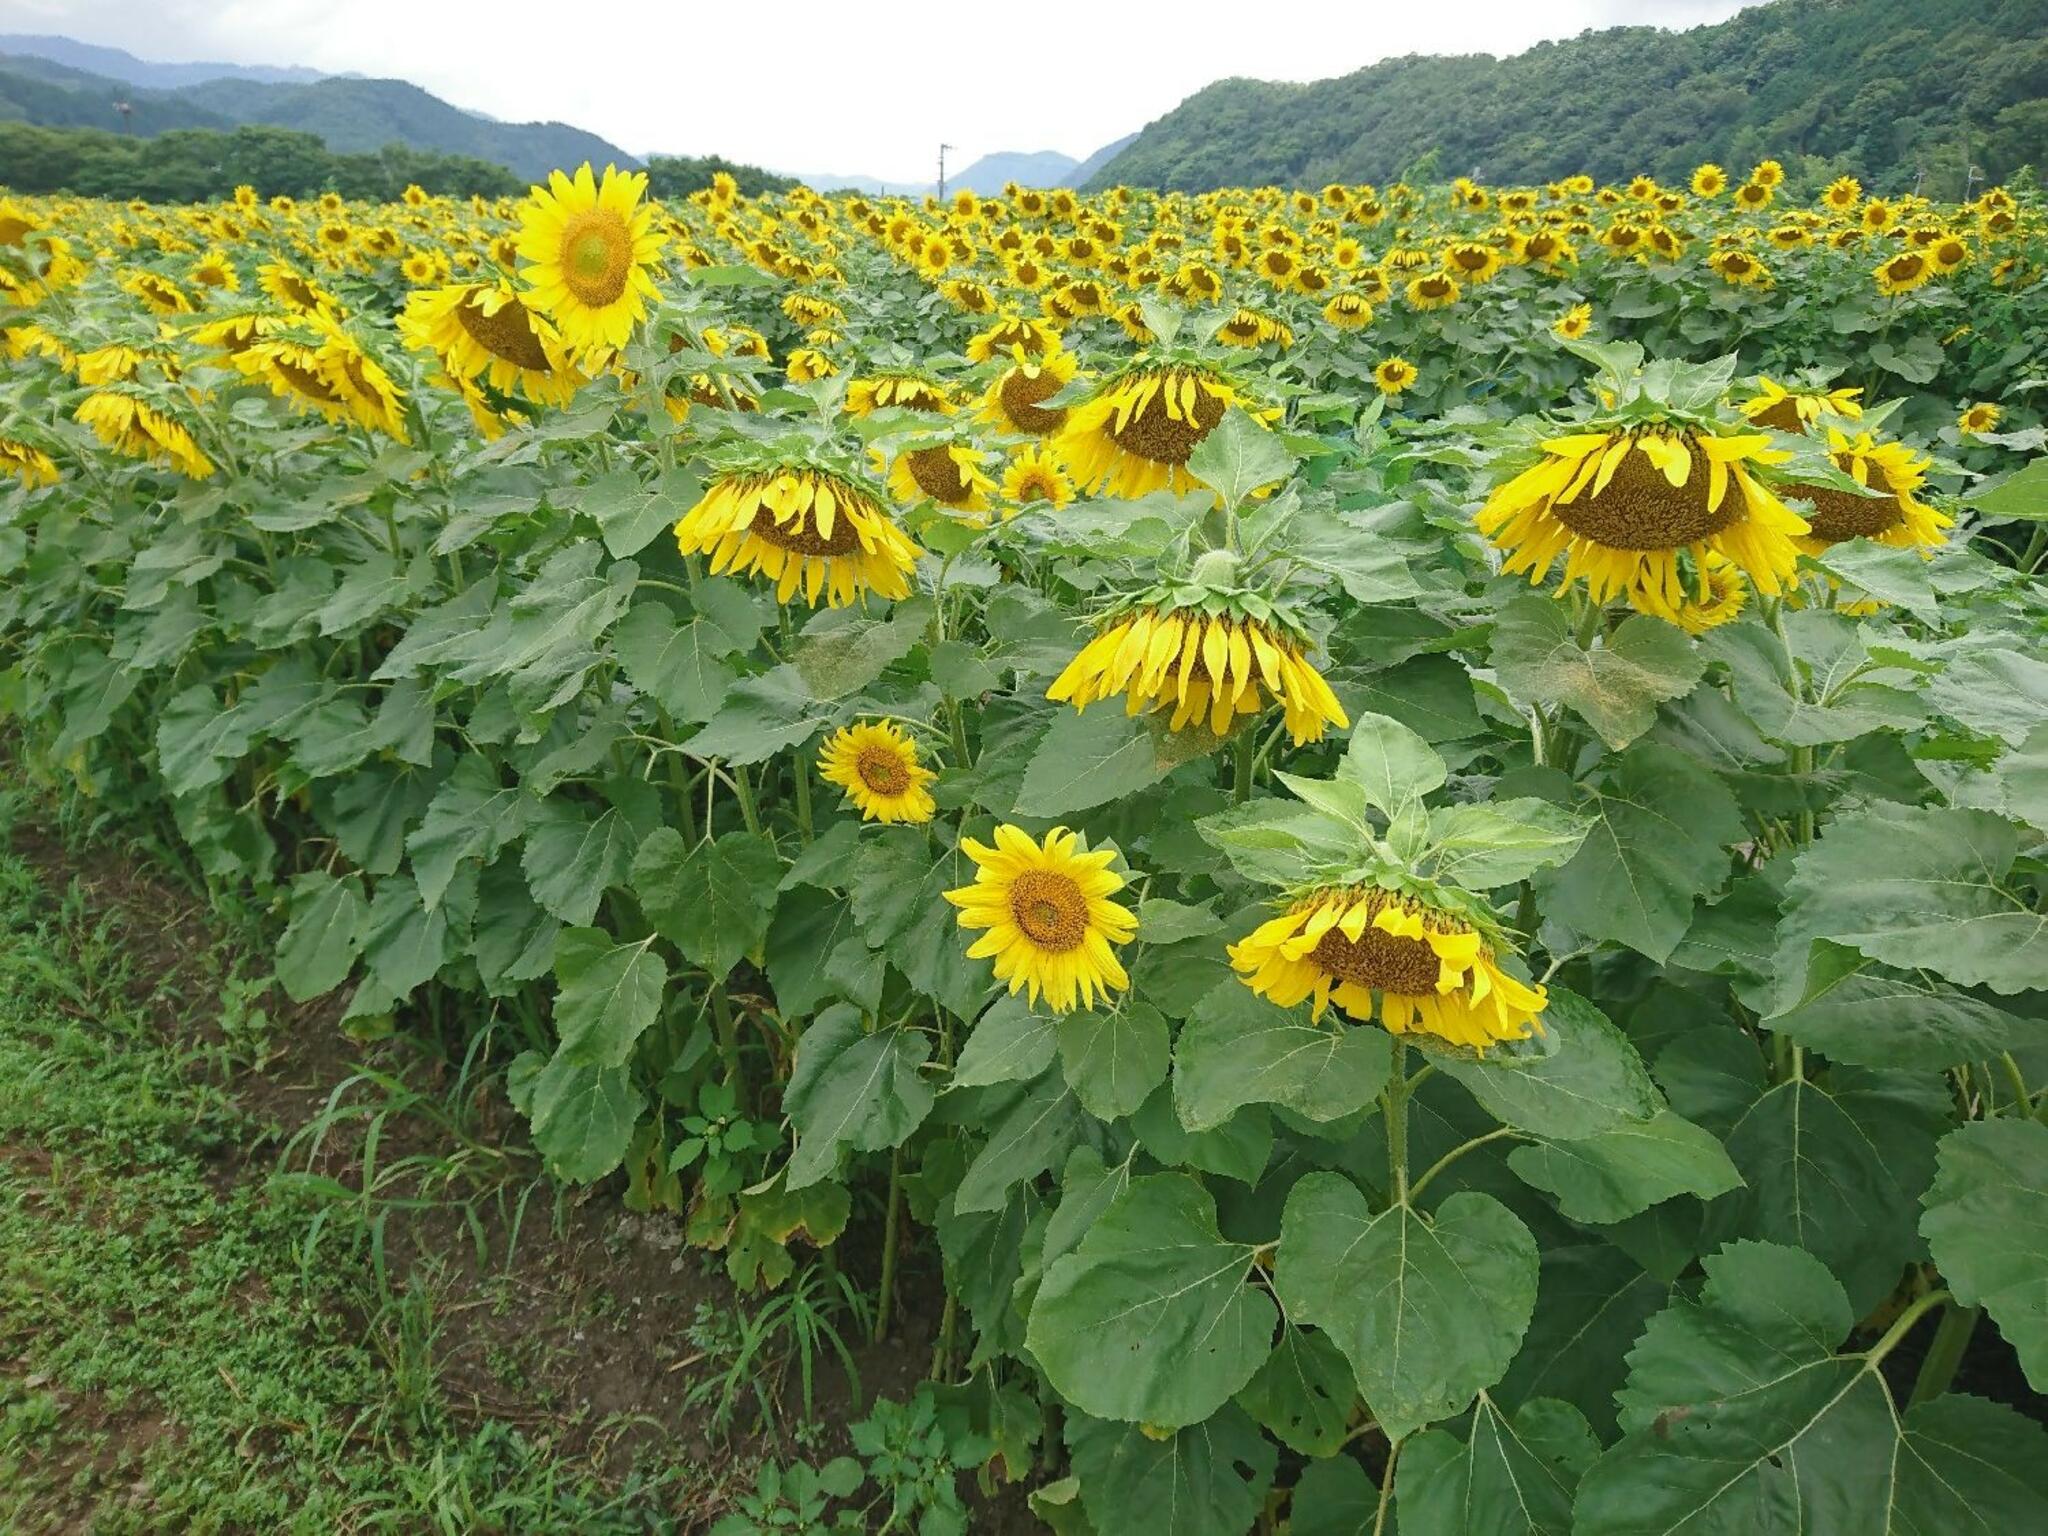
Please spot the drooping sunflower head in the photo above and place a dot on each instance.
(1205, 657)
(1045, 916)
(1471, 261)
(1718, 596)
(485, 329)
(1798, 408)
(27, 463)
(897, 390)
(589, 250)
(1437, 290)
(876, 764)
(1378, 953)
(1621, 505)
(1015, 401)
(1348, 311)
(812, 531)
(1135, 433)
(294, 290)
(134, 427)
(946, 471)
(1891, 511)
(1035, 478)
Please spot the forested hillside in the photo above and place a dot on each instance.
(1895, 90)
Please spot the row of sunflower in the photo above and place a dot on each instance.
(1568, 848)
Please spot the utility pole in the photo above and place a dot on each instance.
(942, 171)
(127, 111)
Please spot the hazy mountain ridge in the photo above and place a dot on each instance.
(119, 64)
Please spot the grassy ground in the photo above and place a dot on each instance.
(169, 1359)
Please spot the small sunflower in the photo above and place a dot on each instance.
(805, 365)
(951, 474)
(1574, 322)
(294, 290)
(1622, 505)
(27, 463)
(1035, 477)
(1893, 516)
(1392, 375)
(1979, 418)
(1049, 923)
(1249, 328)
(1473, 262)
(1843, 193)
(486, 330)
(1010, 332)
(1438, 290)
(1209, 668)
(1348, 311)
(1784, 408)
(897, 390)
(1739, 268)
(1709, 181)
(877, 766)
(589, 250)
(1902, 273)
(1135, 433)
(1014, 402)
(1380, 954)
(808, 530)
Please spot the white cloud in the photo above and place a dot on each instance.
(823, 85)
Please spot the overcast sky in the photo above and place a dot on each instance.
(831, 86)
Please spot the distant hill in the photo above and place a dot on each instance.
(1889, 89)
(119, 64)
(1045, 168)
(1092, 167)
(351, 115)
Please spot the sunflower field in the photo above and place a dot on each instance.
(1401, 828)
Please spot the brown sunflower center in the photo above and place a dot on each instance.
(1021, 392)
(1783, 416)
(305, 381)
(1049, 908)
(1152, 434)
(597, 256)
(1384, 961)
(1838, 515)
(507, 332)
(801, 536)
(882, 771)
(1640, 509)
(937, 475)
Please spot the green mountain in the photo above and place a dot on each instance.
(353, 116)
(119, 64)
(1893, 90)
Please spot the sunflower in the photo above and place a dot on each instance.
(159, 294)
(484, 330)
(294, 290)
(1473, 262)
(589, 251)
(897, 390)
(1135, 433)
(1014, 402)
(1843, 193)
(1392, 375)
(1902, 273)
(1439, 290)
(111, 364)
(296, 371)
(27, 463)
(1621, 506)
(214, 270)
(1786, 409)
(1547, 249)
(1877, 216)
(1034, 477)
(1709, 181)
(805, 365)
(1721, 596)
(877, 766)
(1208, 668)
(808, 530)
(1768, 173)
(1574, 322)
(1740, 268)
(1249, 328)
(1348, 312)
(139, 430)
(1378, 953)
(367, 391)
(1047, 914)
(951, 474)
(1979, 418)
(1892, 517)
(1753, 195)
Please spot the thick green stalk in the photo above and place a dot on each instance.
(1246, 745)
(1945, 1353)
(886, 1297)
(1394, 1109)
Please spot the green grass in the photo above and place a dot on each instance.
(166, 1360)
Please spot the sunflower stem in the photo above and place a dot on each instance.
(728, 1042)
(885, 1298)
(1246, 748)
(1945, 1353)
(800, 775)
(1379, 1519)
(957, 720)
(1394, 1109)
(745, 791)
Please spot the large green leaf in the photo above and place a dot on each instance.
(1087, 758)
(681, 666)
(712, 900)
(1209, 1479)
(852, 1088)
(1113, 1058)
(1008, 1044)
(1509, 1477)
(1237, 1048)
(1238, 456)
(609, 995)
(1591, 1081)
(470, 818)
(1390, 762)
(1031, 1128)
(583, 1117)
(1661, 827)
(1987, 1223)
(324, 935)
(1428, 1308)
(1615, 685)
(572, 858)
(1304, 1393)
(1627, 1168)
(1741, 1420)
(1591, 1302)
(1150, 1319)
(1865, 1014)
(1916, 887)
